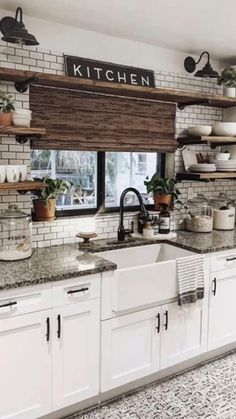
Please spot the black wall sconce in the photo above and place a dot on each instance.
(14, 31)
(206, 71)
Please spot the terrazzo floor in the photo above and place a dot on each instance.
(207, 392)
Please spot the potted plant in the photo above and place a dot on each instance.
(6, 108)
(228, 80)
(163, 189)
(44, 200)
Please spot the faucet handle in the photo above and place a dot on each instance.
(132, 227)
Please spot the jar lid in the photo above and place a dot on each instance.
(13, 212)
(221, 199)
(199, 199)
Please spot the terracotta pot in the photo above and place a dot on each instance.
(44, 211)
(5, 119)
(163, 199)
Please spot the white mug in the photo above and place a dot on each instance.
(2, 174)
(22, 172)
(12, 173)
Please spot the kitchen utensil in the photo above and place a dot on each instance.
(231, 149)
(189, 157)
(17, 243)
(2, 174)
(200, 130)
(12, 173)
(225, 129)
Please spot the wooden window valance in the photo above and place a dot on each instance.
(88, 121)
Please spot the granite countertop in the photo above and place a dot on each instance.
(56, 263)
(49, 264)
(206, 242)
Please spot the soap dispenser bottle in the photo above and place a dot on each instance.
(164, 219)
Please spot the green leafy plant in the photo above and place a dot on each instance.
(227, 77)
(6, 103)
(53, 189)
(161, 186)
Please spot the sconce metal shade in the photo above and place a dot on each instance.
(206, 71)
(14, 30)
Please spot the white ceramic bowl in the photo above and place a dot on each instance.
(21, 120)
(225, 129)
(222, 156)
(200, 130)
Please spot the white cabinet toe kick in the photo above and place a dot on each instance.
(70, 343)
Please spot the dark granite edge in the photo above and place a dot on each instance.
(108, 266)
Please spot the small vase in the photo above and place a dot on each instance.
(229, 91)
(5, 119)
(43, 210)
(163, 199)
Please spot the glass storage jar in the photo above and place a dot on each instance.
(15, 234)
(223, 212)
(199, 218)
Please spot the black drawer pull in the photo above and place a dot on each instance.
(214, 287)
(59, 326)
(166, 320)
(48, 329)
(230, 259)
(10, 304)
(158, 323)
(76, 291)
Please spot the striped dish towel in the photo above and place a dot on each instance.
(190, 273)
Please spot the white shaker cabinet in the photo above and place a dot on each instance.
(25, 365)
(76, 343)
(183, 332)
(222, 310)
(130, 348)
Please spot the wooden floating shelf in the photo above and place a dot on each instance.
(28, 185)
(216, 140)
(205, 176)
(12, 130)
(181, 97)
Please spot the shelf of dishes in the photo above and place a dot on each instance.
(14, 177)
(218, 134)
(204, 176)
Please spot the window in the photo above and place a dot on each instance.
(98, 178)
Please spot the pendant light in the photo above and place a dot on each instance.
(14, 31)
(206, 71)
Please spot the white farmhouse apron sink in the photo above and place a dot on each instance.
(145, 275)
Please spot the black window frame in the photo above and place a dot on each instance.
(101, 160)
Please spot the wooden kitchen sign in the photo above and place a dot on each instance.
(108, 72)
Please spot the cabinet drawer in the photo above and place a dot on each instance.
(75, 290)
(225, 260)
(25, 300)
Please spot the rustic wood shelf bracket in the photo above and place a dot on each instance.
(181, 106)
(22, 139)
(22, 86)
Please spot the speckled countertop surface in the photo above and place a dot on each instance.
(49, 264)
(206, 242)
(62, 262)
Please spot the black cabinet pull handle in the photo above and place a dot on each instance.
(166, 320)
(214, 286)
(158, 323)
(48, 329)
(79, 290)
(10, 304)
(59, 326)
(229, 259)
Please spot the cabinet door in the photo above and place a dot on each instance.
(183, 333)
(222, 311)
(25, 365)
(76, 353)
(130, 348)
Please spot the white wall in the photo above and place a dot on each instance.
(57, 37)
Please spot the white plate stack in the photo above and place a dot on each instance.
(202, 168)
(225, 165)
